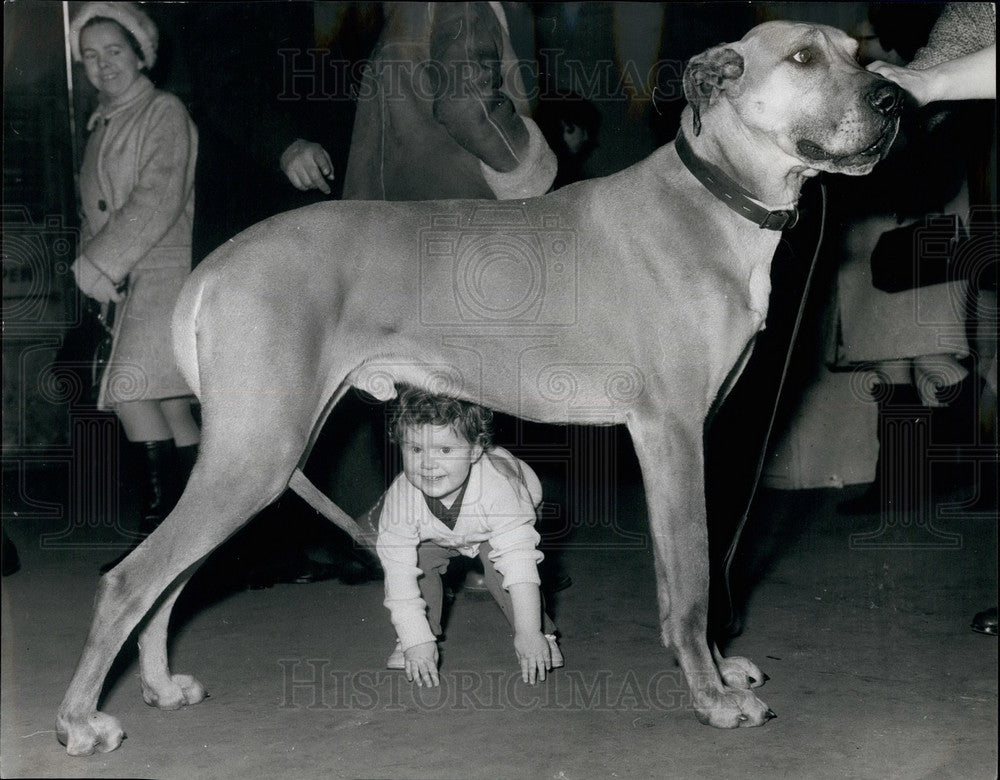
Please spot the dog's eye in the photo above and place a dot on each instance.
(803, 56)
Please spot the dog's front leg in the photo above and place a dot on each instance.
(670, 454)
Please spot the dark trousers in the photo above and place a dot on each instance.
(433, 560)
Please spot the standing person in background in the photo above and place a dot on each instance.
(443, 112)
(137, 201)
(959, 63)
(272, 97)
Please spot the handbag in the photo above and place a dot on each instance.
(104, 314)
(917, 255)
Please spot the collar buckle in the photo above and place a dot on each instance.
(780, 220)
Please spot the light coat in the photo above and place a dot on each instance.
(137, 203)
(442, 111)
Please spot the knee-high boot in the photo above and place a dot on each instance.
(159, 460)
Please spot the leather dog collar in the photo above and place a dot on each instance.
(731, 193)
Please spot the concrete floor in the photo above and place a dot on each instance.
(874, 671)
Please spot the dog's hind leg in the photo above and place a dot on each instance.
(209, 511)
(160, 688)
(167, 691)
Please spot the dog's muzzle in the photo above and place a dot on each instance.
(884, 98)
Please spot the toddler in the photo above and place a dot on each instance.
(458, 495)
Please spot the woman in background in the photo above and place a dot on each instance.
(137, 204)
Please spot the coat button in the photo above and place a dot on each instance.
(102, 205)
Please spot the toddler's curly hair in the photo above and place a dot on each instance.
(415, 407)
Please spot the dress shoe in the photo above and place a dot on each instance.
(304, 572)
(357, 568)
(985, 622)
(11, 560)
(557, 583)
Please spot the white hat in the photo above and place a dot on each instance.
(129, 16)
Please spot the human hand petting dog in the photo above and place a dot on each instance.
(970, 77)
(422, 664)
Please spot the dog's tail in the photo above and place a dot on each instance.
(185, 330)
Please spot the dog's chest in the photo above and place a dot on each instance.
(759, 287)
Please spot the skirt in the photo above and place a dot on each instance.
(141, 366)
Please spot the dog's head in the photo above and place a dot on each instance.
(797, 86)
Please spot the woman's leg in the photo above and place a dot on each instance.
(147, 431)
(146, 427)
(180, 420)
(143, 421)
(177, 415)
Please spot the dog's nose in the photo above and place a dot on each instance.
(885, 97)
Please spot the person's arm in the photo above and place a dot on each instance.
(529, 642)
(164, 183)
(970, 77)
(515, 555)
(408, 611)
(466, 41)
(244, 56)
(397, 550)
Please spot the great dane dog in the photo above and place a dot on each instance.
(629, 299)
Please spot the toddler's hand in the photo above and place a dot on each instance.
(422, 664)
(534, 654)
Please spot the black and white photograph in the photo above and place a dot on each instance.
(529, 390)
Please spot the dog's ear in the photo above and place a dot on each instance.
(706, 74)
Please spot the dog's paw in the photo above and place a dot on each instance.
(94, 731)
(181, 690)
(732, 709)
(741, 673)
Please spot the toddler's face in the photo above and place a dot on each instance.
(436, 459)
